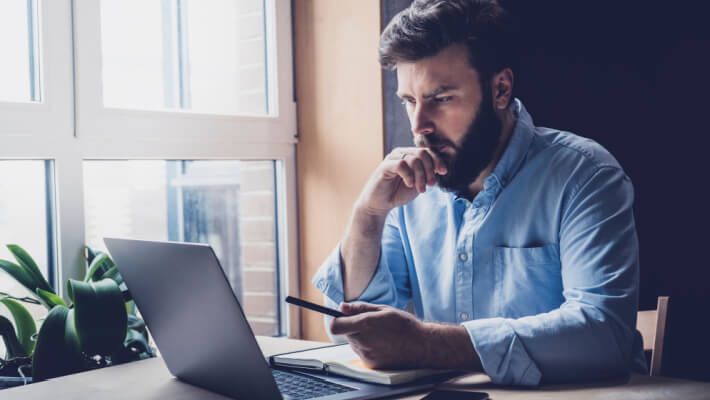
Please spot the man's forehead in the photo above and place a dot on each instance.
(448, 69)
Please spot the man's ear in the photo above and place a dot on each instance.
(502, 86)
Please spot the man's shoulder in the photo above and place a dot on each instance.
(572, 150)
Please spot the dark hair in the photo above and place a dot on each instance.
(428, 26)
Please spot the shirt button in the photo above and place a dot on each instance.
(463, 316)
(463, 256)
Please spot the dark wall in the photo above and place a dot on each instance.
(634, 76)
(396, 124)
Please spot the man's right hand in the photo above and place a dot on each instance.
(399, 179)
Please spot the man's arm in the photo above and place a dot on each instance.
(589, 337)
(386, 337)
(359, 251)
(400, 177)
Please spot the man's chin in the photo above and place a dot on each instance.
(448, 186)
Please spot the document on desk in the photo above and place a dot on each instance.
(342, 360)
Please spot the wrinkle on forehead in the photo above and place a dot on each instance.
(449, 67)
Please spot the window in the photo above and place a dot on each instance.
(206, 56)
(154, 118)
(23, 212)
(19, 47)
(25, 219)
(228, 204)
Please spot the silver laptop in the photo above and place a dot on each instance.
(202, 333)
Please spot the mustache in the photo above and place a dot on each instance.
(432, 141)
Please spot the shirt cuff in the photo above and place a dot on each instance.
(502, 353)
(329, 280)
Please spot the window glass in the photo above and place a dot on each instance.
(228, 204)
(24, 221)
(19, 77)
(206, 56)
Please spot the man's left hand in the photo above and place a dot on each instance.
(383, 336)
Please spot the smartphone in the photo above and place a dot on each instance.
(455, 395)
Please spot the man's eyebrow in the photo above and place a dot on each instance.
(433, 93)
(439, 90)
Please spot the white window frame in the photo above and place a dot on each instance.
(70, 125)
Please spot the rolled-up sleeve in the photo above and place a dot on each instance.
(390, 283)
(592, 334)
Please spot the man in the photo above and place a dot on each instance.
(514, 245)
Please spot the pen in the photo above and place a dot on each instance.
(313, 307)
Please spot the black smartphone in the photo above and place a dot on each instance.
(456, 395)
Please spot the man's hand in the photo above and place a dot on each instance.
(383, 337)
(387, 338)
(400, 177)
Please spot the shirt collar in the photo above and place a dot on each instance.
(518, 145)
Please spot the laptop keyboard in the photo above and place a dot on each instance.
(300, 387)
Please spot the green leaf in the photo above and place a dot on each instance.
(135, 323)
(57, 352)
(101, 264)
(114, 275)
(131, 310)
(24, 323)
(19, 274)
(50, 299)
(90, 255)
(30, 265)
(7, 333)
(101, 317)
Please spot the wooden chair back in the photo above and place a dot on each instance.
(652, 325)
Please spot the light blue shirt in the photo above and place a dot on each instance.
(541, 268)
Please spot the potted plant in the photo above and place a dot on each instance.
(97, 328)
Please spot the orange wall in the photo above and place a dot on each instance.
(339, 92)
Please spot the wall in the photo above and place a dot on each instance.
(634, 77)
(339, 94)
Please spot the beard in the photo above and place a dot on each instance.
(473, 155)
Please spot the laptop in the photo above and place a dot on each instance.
(202, 332)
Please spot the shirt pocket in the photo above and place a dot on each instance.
(528, 280)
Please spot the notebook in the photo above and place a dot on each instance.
(342, 360)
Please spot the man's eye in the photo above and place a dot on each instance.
(443, 99)
(407, 102)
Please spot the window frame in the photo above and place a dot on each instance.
(70, 125)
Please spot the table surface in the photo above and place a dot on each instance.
(150, 379)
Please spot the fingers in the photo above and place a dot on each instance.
(439, 164)
(348, 325)
(355, 319)
(358, 307)
(429, 167)
(417, 166)
(406, 173)
(420, 175)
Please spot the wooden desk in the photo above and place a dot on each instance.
(149, 379)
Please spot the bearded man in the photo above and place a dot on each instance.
(513, 246)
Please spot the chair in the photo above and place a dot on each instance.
(652, 325)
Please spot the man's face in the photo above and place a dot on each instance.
(450, 113)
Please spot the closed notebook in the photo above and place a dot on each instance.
(342, 360)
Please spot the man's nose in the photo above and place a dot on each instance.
(421, 121)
